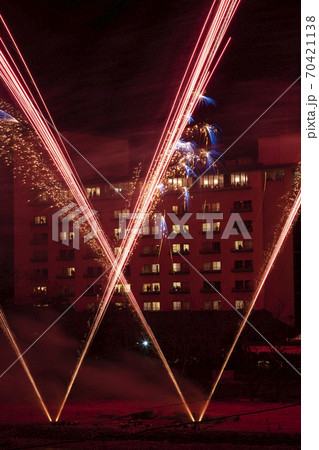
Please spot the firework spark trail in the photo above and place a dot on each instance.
(7, 331)
(32, 80)
(177, 120)
(286, 228)
(183, 106)
(50, 143)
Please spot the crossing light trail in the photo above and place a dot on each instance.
(194, 82)
(15, 85)
(286, 228)
(7, 331)
(196, 77)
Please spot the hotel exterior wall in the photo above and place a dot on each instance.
(263, 214)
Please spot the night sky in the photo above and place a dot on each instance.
(113, 67)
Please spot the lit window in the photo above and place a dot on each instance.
(156, 306)
(207, 266)
(208, 305)
(70, 271)
(40, 290)
(117, 232)
(156, 287)
(212, 181)
(186, 248)
(63, 236)
(118, 305)
(71, 235)
(175, 209)
(155, 268)
(208, 226)
(147, 306)
(177, 306)
(118, 288)
(146, 287)
(217, 265)
(145, 230)
(239, 304)
(217, 305)
(116, 250)
(239, 179)
(146, 268)
(239, 245)
(176, 228)
(176, 267)
(40, 220)
(176, 248)
(93, 191)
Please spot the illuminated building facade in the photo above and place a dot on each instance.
(171, 274)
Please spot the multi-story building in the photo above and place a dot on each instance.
(171, 274)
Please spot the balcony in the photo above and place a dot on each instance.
(210, 290)
(42, 224)
(242, 210)
(243, 289)
(39, 241)
(91, 256)
(208, 251)
(210, 231)
(153, 253)
(150, 292)
(147, 274)
(65, 258)
(39, 277)
(180, 272)
(180, 290)
(241, 250)
(210, 271)
(65, 277)
(182, 252)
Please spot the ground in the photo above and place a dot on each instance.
(85, 425)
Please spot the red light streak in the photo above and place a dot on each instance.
(184, 104)
(290, 219)
(175, 124)
(45, 134)
(7, 331)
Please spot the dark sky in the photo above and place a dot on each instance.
(113, 67)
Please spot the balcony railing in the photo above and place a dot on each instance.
(241, 250)
(243, 289)
(210, 271)
(147, 274)
(179, 272)
(150, 292)
(179, 290)
(242, 269)
(208, 251)
(65, 258)
(209, 291)
(62, 276)
(241, 210)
